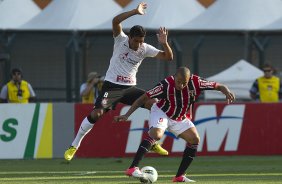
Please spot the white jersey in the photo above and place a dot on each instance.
(125, 61)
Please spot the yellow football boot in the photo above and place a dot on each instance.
(69, 153)
(157, 148)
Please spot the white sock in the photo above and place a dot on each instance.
(84, 128)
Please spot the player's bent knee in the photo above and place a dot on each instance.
(156, 137)
(96, 114)
(195, 140)
(156, 134)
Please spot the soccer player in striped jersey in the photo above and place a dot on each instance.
(120, 80)
(173, 111)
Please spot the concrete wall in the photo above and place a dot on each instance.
(63, 128)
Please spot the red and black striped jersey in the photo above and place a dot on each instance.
(177, 104)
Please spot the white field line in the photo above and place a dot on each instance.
(83, 173)
(59, 178)
(69, 172)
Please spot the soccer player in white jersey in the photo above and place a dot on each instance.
(177, 95)
(119, 85)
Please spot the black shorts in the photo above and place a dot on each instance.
(114, 93)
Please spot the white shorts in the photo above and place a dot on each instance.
(158, 119)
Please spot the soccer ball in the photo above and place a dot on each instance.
(150, 173)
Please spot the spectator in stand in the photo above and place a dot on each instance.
(89, 90)
(17, 90)
(267, 88)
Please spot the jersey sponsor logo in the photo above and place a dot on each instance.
(124, 57)
(124, 79)
(131, 61)
(155, 90)
(206, 84)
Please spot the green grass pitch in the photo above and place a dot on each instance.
(210, 170)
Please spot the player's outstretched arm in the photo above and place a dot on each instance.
(167, 54)
(138, 103)
(117, 28)
(230, 97)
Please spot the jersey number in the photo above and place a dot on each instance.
(106, 95)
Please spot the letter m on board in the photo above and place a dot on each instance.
(215, 129)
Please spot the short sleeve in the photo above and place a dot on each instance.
(205, 84)
(151, 51)
(254, 88)
(4, 92)
(82, 88)
(157, 92)
(31, 91)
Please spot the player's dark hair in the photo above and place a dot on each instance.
(137, 31)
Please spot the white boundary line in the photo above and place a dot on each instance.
(122, 172)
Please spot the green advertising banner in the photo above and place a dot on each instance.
(26, 131)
